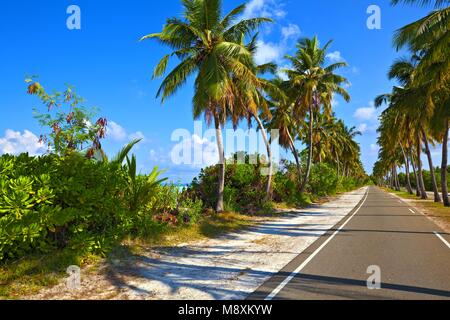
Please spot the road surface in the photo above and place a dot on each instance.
(411, 252)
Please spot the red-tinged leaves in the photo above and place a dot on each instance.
(90, 153)
(34, 88)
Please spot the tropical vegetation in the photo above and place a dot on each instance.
(417, 114)
(75, 199)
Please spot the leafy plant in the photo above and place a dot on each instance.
(69, 121)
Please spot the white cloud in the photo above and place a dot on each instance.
(117, 133)
(363, 127)
(274, 52)
(335, 56)
(264, 8)
(268, 52)
(364, 114)
(290, 31)
(15, 142)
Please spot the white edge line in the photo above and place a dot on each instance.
(436, 233)
(442, 239)
(305, 263)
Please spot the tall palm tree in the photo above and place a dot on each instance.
(410, 99)
(251, 103)
(313, 84)
(208, 46)
(431, 36)
(282, 120)
(439, 126)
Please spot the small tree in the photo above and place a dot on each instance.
(70, 122)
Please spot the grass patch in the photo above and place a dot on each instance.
(428, 207)
(211, 226)
(30, 274)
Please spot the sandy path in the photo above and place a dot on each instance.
(227, 268)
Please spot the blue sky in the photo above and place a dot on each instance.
(112, 70)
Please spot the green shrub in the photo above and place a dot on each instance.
(323, 180)
(72, 202)
(57, 202)
(244, 186)
(190, 210)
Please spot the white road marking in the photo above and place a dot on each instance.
(305, 263)
(442, 239)
(412, 210)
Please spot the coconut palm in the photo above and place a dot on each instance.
(430, 36)
(312, 86)
(282, 120)
(251, 104)
(208, 46)
(411, 99)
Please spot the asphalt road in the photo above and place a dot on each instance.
(411, 252)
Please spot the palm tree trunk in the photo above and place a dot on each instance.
(295, 153)
(221, 186)
(269, 155)
(415, 174)
(444, 166)
(397, 180)
(310, 155)
(392, 179)
(423, 192)
(408, 180)
(338, 165)
(437, 197)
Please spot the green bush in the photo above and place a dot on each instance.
(190, 210)
(244, 186)
(286, 187)
(323, 180)
(57, 202)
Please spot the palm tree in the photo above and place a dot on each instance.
(208, 46)
(282, 120)
(430, 36)
(251, 103)
(439, 126)
(410, 99)
(312, 86)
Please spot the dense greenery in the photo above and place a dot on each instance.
(75, 199)
(245, 186)
(219, 51)
(417, 115)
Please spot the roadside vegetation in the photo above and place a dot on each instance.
(417, 114)
(75, 206)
